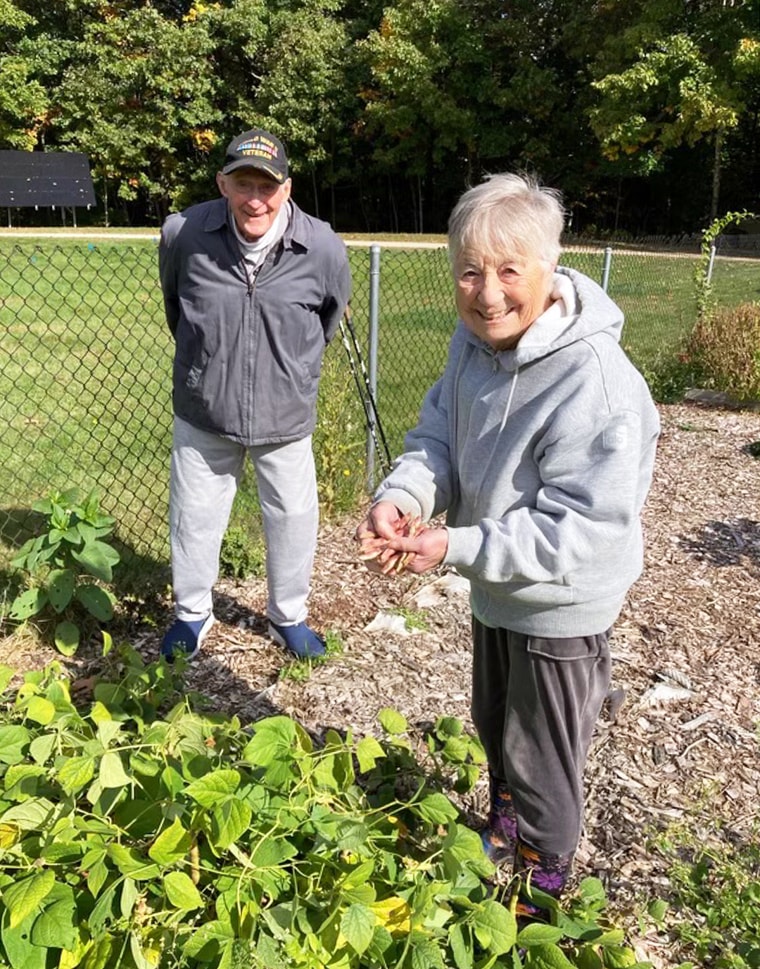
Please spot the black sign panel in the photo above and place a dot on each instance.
(45, 178)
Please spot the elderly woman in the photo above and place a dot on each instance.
(538, 442)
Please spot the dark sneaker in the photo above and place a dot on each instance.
(184, 638)
(299, 639)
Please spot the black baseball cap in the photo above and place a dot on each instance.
(257, 149)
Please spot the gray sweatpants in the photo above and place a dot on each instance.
(205, 473)
(535, 703)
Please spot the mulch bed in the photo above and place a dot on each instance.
(678, 740)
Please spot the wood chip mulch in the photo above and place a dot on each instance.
(680, 734)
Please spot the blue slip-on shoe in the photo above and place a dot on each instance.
(299, 639)
(184, 637)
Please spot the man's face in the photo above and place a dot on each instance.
(255, 200)
(499, 299)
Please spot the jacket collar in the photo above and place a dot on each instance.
(298, 231)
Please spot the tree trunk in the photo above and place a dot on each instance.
(716, 175)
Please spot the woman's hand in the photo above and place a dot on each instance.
(391, 542)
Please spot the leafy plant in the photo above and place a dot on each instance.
(137, 831)
(413, 618)
(299, 670)
(715, 908)
(702, 270)
(240, 556)
(61, 564)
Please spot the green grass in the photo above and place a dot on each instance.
(85, 369)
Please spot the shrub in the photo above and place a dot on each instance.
(724, 350)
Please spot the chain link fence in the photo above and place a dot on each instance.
(85, 364)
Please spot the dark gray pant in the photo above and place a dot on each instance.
(535, 703)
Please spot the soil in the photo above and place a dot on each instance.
(678, 739)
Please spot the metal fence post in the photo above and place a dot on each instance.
(374, 326)
(606, 268)
(710, 265)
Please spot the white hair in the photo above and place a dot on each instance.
(505, 216)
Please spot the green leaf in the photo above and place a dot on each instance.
(29, 603)
(436, 808)
(495, 927)
(67, 638)
(549, 957)
(171, 845)
(129, 895)
(13, 740)
(6, 675)
(592, 890)
(210, 789)
(230, 821)
(392, 721)
(100, 955)
(538, 934)
(76, 773)
(112, 773)
(18, 945)
(96, 601)
(40, 710)
(206, 943)
(32, 815)
(60, 588)
(98, 559)
(23, 898)
(368, 752)
(619, 957)
(273, 737)
(58, 925)
(130, 862)
(41, 747)
(358, 925)
(181, 892)
(96, 877)
(463, 955)
(658, 909)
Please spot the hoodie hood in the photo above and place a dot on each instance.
(581, 309)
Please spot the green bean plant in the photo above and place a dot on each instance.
(138, 831)
(66, 566)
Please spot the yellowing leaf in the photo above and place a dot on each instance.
(9, 835)
(393, 913)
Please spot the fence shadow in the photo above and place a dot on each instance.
(726, 543)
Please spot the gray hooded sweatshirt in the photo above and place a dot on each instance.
(542, 457)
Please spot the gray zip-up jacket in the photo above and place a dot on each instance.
(248, 354)
(542, 457)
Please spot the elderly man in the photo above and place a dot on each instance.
(254, 290)
(539, 443)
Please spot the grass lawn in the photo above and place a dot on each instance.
(85, 365)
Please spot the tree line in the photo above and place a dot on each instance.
(643, 112)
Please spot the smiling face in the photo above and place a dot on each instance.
(255, 200)
(498, 299)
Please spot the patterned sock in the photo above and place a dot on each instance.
(500, 832)
(549, 873)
